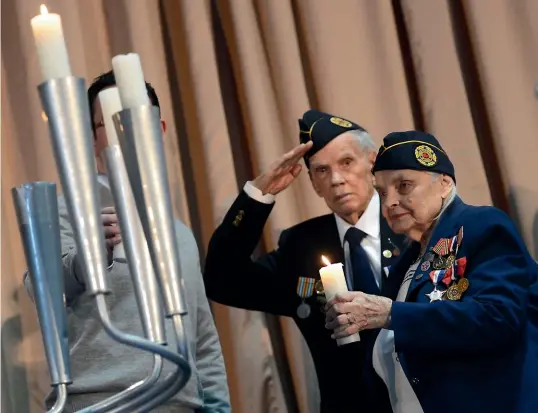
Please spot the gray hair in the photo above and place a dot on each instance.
(364, 140)
(451, 196)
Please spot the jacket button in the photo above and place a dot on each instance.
(415, 381)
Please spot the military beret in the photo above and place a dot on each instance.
(416, 150)
(321, 128)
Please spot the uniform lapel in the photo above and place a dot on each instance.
(333, 245)
(392, 247)
(398, 271)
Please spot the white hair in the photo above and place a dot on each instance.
(451, 196)
(364, 140)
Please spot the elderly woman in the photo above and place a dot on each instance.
(459, 312)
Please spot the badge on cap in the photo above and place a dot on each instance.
(341, 122)
(425, 155)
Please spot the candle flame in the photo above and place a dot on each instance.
(44, 9)
(325, 260)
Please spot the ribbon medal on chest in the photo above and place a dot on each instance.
(447, 269)
(305, 289)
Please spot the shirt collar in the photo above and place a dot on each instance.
(367, 223)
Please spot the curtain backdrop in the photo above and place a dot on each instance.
(233, 77)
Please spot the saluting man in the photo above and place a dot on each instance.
(339, 155)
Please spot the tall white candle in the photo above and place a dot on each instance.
(334, 282)
(50, 44)
(130, 80)
(110, 105)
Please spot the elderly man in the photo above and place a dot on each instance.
(101, 366)
(339, 155)
(460, 326)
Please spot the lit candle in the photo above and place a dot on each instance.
(110, 105)
(334, 282)
(50, 44)
(333, 278)
(130, 80)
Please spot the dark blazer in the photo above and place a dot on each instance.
(269, 284)
(478, 353)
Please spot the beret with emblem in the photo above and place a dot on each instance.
(416, 150)
(322, 128)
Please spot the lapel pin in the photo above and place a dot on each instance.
(387, 254)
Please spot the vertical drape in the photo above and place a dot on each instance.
(233, 77)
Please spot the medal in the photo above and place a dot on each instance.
(303, 311)
(387, 254)
(319, 288)
(442, 247)
(425, 266)
(436, 294)
(450, 261)
(463, 285)
(439, 263)
(305, 289)
(453, 293)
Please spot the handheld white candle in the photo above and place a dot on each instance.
(110, 105)
(333, 278)
(334, 282)
(130, 80)
(50, 45)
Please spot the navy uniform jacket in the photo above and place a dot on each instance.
(479, 353)
(269, 285)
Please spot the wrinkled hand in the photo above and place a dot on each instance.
(283, 171)
(110, 227)
(351, 312)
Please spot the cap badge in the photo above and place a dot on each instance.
(341, 122)
(425, 155)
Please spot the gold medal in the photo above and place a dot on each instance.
(463, 285)
(439, 263)
(319, 288)
(450, 261)
(387, 254)
(453, 293)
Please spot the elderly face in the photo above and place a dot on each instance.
(341, 175)
(411, 200)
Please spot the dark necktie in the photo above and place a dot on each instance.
(363, 276)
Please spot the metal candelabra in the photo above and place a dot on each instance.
(139, 185)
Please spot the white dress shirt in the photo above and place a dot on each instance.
(367, 223)
(387, 365)
(371, 243)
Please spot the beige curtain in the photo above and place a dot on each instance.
(233, 77)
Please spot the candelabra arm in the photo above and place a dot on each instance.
(136, 247)
(129, 393)
(61, 399)
(163, 391)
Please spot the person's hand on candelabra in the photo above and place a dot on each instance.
(351, 312)
(111, 230)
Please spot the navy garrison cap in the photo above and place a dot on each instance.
(413, 150)
(321, 128)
